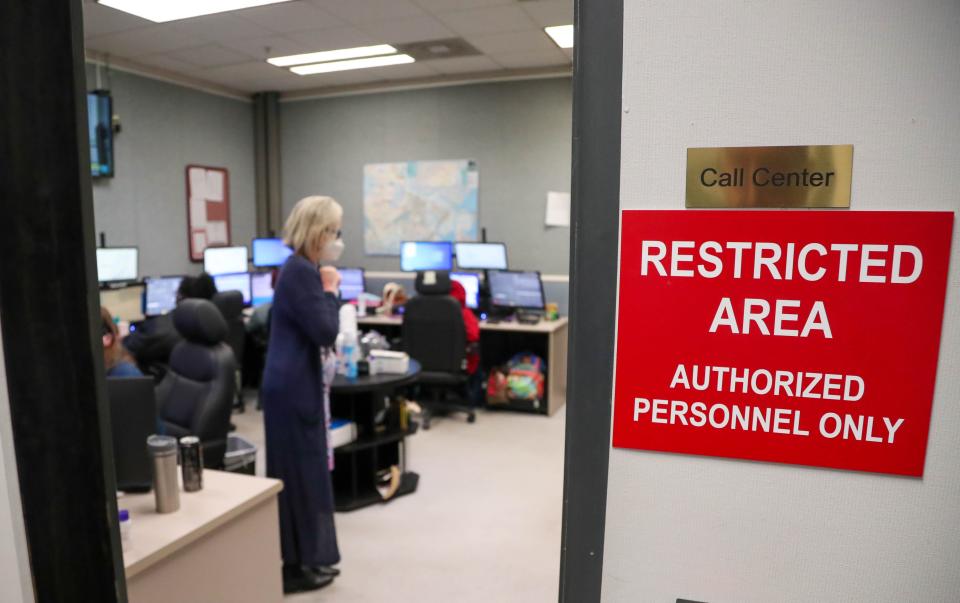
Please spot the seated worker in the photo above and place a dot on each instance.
(116, 361)
(152, 345)
(472, 326)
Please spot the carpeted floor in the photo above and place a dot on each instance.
(483, 526)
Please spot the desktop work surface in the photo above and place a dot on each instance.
(501, 340)
(222, 545)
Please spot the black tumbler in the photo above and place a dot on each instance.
(191, 463)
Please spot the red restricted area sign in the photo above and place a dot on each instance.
(803, 337)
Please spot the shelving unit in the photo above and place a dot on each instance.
(380, 444)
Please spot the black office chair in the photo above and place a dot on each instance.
(195, 396)
(230, 304)
(434, 336)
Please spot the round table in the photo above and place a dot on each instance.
(366, 383)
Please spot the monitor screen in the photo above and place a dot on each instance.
(117, 264)
(516, 289)
(426, 255)
(261, 288)
(471, 284)
(224, 260)
(268, 253)
(100, 133)
(351, 283)
(160, 295)
(482, 256)
(235, 282)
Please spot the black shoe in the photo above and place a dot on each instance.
(325, 570)
(298, 580)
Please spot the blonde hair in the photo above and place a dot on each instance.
(312, 223)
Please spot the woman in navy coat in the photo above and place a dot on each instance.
(303, 328)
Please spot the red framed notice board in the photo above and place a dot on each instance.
(208, 209)
(801, 337)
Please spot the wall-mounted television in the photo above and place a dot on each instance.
(100, 126)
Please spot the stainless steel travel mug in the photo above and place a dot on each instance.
(166, 490)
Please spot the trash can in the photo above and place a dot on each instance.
(241, 455)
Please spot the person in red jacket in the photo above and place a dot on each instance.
(471, 325)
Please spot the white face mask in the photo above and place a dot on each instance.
(332, 251)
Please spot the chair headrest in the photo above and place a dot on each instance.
(433, 282)
(199, 321)
(230, 304)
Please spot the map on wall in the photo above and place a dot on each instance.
(419, 201)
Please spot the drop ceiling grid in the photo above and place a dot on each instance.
(228, 49)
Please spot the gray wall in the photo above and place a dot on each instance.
(518, 132)
(882, 76)
(166, 127)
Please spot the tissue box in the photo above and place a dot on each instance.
(342, 432)
(386, 361)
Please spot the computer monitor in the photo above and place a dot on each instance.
(426, 255)
(160, 295)
(133, 417)
(261, 288)
(482, 256)
(235, 282)
(515, 289)
(268, 253)
(352, 283)
(471, 284)
(117, 264)
(224, 260)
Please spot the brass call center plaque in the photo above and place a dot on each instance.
(812, 176)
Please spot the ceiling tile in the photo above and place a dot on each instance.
(339, 78)
(514, 41)
(209, 55)
(523, 60)
(290, 16)
(464, 65)
(244, 72)
(365, 11)
(438, 6)
(405, 72)
(263, 48)
(489, 20)
(550, 12)
(218, 28)
(167, 63)
(99, 20)
(410, 29)
(332, 39)
(138, 42)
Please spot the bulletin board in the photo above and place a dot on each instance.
(208, 209)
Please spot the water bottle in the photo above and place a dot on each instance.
(350, 354)
(125, 527)
(341, 359)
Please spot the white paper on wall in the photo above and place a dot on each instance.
(214, 185)
(198, 182)
(199, 241)
(217, 233)
(558, 209)
(198, 212)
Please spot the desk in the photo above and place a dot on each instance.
(356, 464)
(222, 546)
(501, 340)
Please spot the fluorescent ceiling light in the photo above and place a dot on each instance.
(161, 11)
(332, 55)
(395, 59)
(562, 35)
